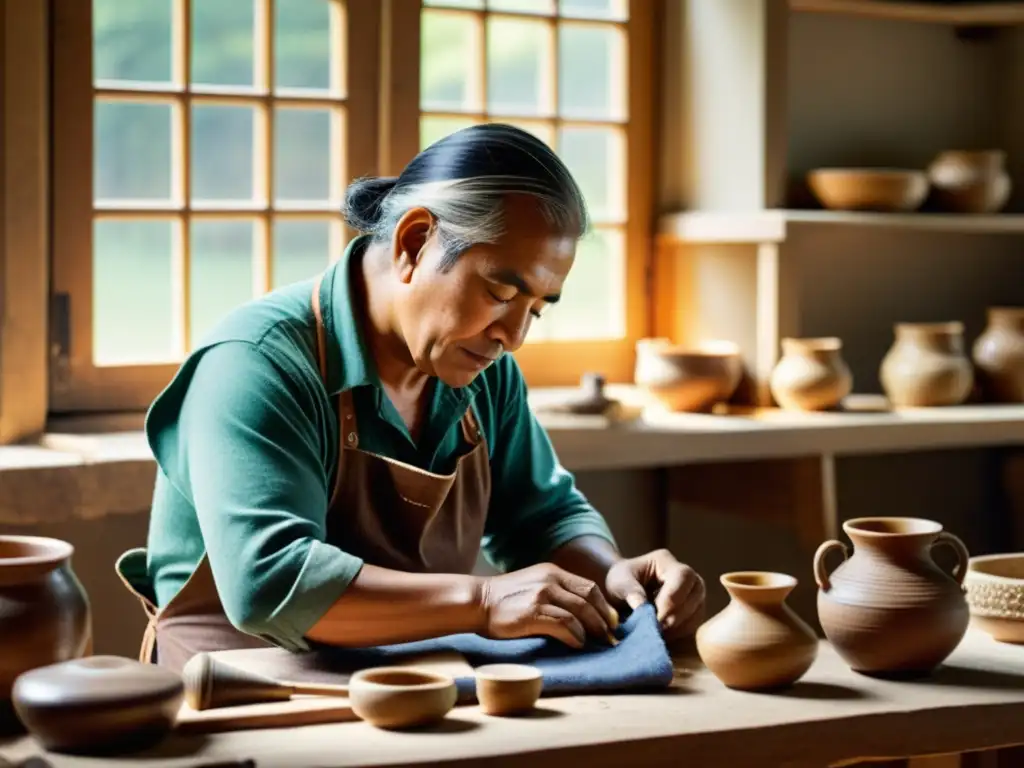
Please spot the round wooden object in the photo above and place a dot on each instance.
(507, 689)
(401, 697)
(99, 704)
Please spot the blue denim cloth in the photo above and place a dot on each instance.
(639, 662)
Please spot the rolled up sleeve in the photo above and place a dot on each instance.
(535, 504)
(247, 449)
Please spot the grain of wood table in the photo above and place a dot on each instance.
(832, 717)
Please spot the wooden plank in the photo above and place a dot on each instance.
(961, 14)
(24, 218)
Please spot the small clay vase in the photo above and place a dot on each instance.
(888, 609)
(45, 616)
(999, 356)
(927, 366)
(682, 378)
(757, 642)
(811, 375)
(970, 182)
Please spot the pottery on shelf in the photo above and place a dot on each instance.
(867, 189)
(999, 356)
(970, 181)
(44, 611)
(888, 609)
(685, 378)
(401, 697)
(811, 375)
(589, 400)
(927, 366)
(757, 642)
(995, 595)
(100, 704)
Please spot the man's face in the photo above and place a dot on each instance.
(457, 322)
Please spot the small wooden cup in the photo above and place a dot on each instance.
(401, 697)
(507, 689)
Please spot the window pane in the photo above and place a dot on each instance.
(547, 7)
(597, 159)
(303, 31)
(434, 128)
(132, 40)
(591, 71)
(595, 9)
(303, 155)
(222, 153)
(133, 295)
(450, 62)
(519, 55)
(543, 131)
(133, 153)
(302, 249)
(220, 272)
(593, 298)
(222, 42)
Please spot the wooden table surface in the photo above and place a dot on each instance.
(974, 702)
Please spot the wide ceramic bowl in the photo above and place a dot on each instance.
(401, 697)
(995, 595)
(687, 378)
(856, 189)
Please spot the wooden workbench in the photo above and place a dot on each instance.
(834, 716)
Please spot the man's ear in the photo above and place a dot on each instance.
(412, 233)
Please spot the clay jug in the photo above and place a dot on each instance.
(927, 366)
(999, 355)
(44, 612)
(970, 181)
(757, 642)
(811, 375)
(889, 609)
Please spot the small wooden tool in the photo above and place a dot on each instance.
(210, 684)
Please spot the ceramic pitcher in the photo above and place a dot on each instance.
(889, 609)
(757, 642)
(927, 366)
(999, 355)
(44, 612)
(811, 375)
(970, 181)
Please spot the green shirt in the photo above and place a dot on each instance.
(246, 441)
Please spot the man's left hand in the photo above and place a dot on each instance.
(677, 590)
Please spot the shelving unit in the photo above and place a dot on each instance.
(962, 14)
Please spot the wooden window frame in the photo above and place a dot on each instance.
(560, 363)
(76, 383)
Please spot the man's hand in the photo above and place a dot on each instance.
(677, 590)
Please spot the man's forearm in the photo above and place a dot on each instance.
(383, 606)
(587, 556)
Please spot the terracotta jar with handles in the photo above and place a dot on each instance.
(927, 366)
(45, 616)
(757, 642)
(999, 355)
(966, 181)
(811, 375)
(888, 609)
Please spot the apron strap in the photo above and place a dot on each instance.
(148, 646)
(471, 427)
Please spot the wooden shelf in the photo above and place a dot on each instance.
(957, 14)
(772, 226)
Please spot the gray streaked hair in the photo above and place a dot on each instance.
(463, 180)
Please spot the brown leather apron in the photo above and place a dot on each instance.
(390, 514)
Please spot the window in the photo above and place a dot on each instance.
(564, 70)
(201, 153)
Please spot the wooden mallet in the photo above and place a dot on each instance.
(210, 684)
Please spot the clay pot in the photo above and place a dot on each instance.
(44, 611)
(688, 378)
(811, 375)
(757, 642)
(507, 689)
(401, 697)
(866, 189)
(999, 355)
(927, 366)
(889, 609)
(970, 182)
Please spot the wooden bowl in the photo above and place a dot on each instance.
(680, 378)
(401, 697)
(507, 689)
(995, 595)
(882, 190)
(99, 704)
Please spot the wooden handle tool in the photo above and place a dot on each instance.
(210, 684)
